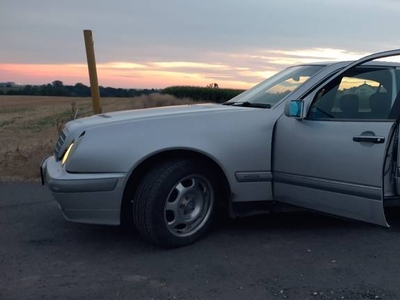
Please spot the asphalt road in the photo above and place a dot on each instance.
(286, 256)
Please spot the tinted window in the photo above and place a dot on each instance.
(364, 93)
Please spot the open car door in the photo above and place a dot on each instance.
(333, 147)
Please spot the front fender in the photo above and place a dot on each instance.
(236, 141)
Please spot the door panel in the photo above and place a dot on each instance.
(323, 165)
(348, 206)
(336, 159)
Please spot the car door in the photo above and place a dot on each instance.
(334, 153)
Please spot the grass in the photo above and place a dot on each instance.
(13, 110)
(30, 125)
(7, 122)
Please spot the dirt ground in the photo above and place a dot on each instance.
(30, 125)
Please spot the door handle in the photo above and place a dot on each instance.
(369, 139)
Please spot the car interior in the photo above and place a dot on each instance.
(364, 93)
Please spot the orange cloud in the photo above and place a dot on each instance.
(42, 73)
(235, 70)
(121, 74)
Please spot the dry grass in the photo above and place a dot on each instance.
(29, 126)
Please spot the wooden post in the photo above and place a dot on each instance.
(94, 84)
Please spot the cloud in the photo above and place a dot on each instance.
(233, 70)
(239, 42)
(189, 30)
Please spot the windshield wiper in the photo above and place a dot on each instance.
(248, 104)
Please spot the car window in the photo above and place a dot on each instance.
(364, 93)
(275, 88)
(282, 89)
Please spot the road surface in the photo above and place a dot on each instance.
(284, 256)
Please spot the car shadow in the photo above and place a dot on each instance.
(305, 220)
(310, 223)
(393, 218)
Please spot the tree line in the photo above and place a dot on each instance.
(210, 93)
(57, 88)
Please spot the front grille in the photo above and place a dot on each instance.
(60, 143)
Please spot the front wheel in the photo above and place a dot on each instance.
(175, 203)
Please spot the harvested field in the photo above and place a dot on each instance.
(29, 126)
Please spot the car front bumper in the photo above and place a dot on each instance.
(86, 198)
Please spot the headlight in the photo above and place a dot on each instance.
(66, 154)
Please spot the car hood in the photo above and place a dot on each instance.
(151, 113)
(149, 130)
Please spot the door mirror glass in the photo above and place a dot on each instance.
(296, 109)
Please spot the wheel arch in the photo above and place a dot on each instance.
(144, 166)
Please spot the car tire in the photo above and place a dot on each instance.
(175, 203)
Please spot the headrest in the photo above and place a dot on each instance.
(380, 102)
(349, 103)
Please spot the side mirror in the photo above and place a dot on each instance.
(294, 109)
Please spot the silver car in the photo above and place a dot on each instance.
(320, 136)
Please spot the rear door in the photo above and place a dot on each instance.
(335, 159)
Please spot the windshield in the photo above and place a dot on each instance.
(275, 88)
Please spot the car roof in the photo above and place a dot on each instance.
(345, 63)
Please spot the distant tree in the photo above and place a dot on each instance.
(80, 90)
(27, 90)
(57, 84)
(213, 85)
(59, 89)
(46, 90)
(35, 90)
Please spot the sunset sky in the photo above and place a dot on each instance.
(158, 43)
